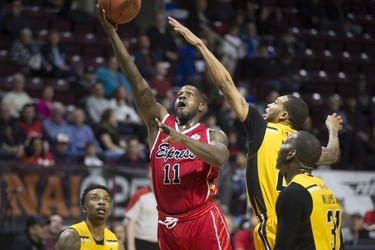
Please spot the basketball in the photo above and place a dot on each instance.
(120, 11)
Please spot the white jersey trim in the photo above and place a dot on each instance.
(157, 136)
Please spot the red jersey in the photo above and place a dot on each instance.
(181, 181)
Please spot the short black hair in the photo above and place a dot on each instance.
(297, 111)
(308, 148)
(89, 188)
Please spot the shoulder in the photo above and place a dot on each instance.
(294, 191)
(68, 239)
(218, 136)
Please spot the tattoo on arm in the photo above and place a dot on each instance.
(68, 240)
(330, 154)
(147, 97)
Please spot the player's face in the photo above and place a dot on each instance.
(286, 147)
(187, 103)
(98, 204)
(274, 109)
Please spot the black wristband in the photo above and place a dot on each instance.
(166, 130)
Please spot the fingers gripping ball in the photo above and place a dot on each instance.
(120, 11)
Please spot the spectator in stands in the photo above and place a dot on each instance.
(146, 57)
(11, 135)
(14, 21)
(369, 219)
(263, 22)
(289, 74)
(25, 52)
(85, 82)
(191, 66)
(129, 122)
(55, 57)
(222, 10)
(252, 40)
(32, 238)
(142, 218)
(200, 22)
(111, 77)
(56, 124)
(359, 133)
(243, 238)
(160, 82)
(233, 145)
(108, 136)
(351, 234)
(54, 229)
(96, 103)
(308, 126)
(232, 49)
(92, 159)
(82, 134)
(225, 116)
(120, 231)
(161, 38)
(209, 119)
(29, 122)
(36, 154)
(46, 102)
(60, 150)
(134, 155)
(16, 98)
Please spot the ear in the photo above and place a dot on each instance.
(201, 107)
(291, 154)
(84, 209)
(283, 116)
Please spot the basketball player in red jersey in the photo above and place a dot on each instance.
(265, 134)
(184, 158)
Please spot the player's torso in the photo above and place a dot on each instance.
(326, 213)
(88, 242)
(181, 181)
(264, 181)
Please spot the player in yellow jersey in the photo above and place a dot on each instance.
(265, 134)
(308, 214)
(92, 233)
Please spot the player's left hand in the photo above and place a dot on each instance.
(108, 27)
(334, 122)
(189, 36)
(173, 135)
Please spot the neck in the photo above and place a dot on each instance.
(291, 174)
(96, 230)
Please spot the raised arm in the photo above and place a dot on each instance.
(215, 153)
(145, 100)
(220, 75)
(68, 239)
(330, 154)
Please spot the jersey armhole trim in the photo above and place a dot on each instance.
(157, 136)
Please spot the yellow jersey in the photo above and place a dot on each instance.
(109, 242)
(263, 180)
(309, 216)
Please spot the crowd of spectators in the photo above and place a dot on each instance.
(254, 41)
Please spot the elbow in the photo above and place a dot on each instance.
(221, 159)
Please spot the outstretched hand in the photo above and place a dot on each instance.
(108, 26)
(173, 135)
(188, 35)
(334, 122)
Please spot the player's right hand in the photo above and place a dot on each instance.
(108, 27)
(334, 122)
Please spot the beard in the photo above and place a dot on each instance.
(183, 119)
